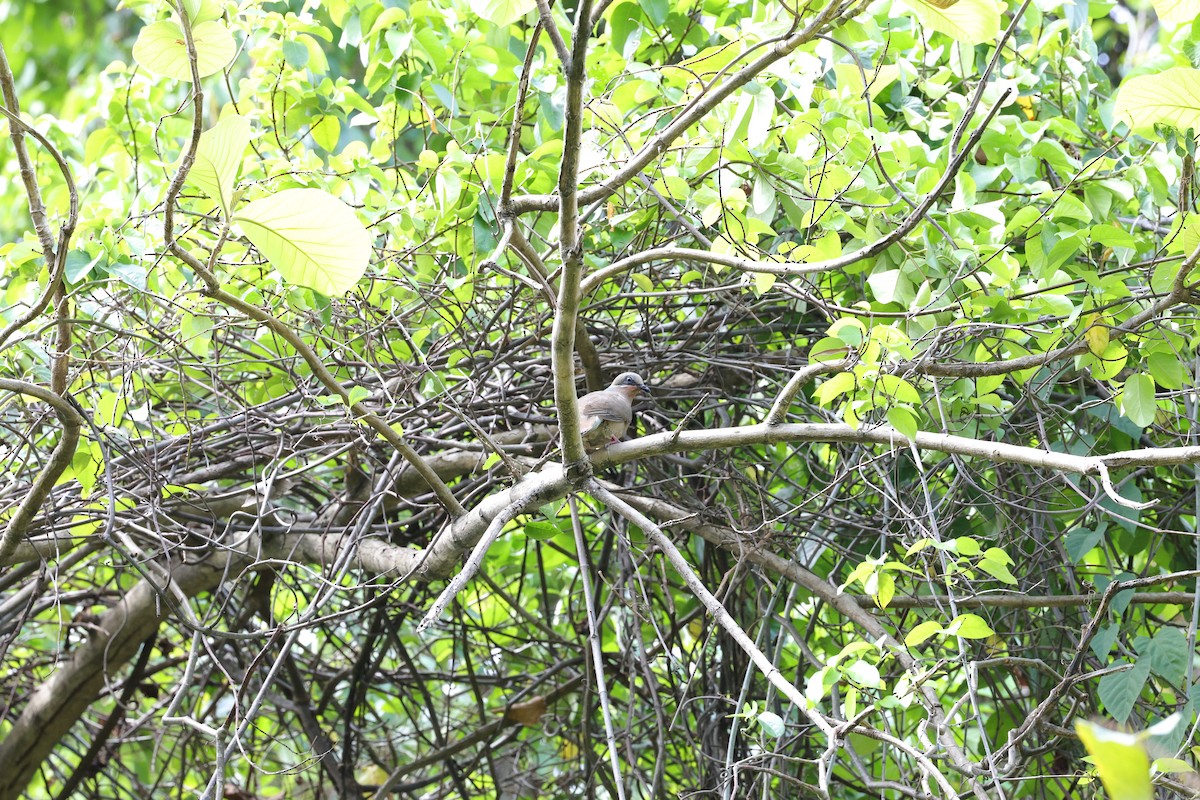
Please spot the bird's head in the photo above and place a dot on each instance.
(630, 384)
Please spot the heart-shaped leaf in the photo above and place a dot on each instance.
(162, 49)
(311, 237)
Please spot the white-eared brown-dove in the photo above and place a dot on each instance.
(604, 415)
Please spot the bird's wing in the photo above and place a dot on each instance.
(606, 405)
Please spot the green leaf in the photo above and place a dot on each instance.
(883, 285)
(1118, 691)
(656, 10)
(625, 19)
(202, 10)
(1176, 12)
(1103, 641)
(771, 723)
(1166, 369)
(1079, 543)
(643, 281)
(885, 589)
(162, 49)
(502, 12)
(326, 132)
(311, 237)
(1171, 765)
(969, 21)
(295, 54)
(837, 385)
(864, 673)
(860, 573)
(1137, 400)
(997, 570)
(219, 159)
(1168, 655)
(541, 531)
(898, 389)
(969, 626)
(903, 420)
(818, 684)
(966, 546)
(922, 632)
(763, 281)
(80, 264)
(1170, 97)
(1120, 759)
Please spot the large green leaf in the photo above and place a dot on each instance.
(969, 21)
(202, 10)
(502, 12)
(162, 49)
(1176, 12)
(1137, 401)
(219, 159)
(1118, 691)
(1168, 654)
(1170, 97)
(1121, 760)
(311, 237)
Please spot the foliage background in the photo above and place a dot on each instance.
(876, 218)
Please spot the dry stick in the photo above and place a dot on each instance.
(837, 433)
(551, 28)
(594, 644)
(56, 256)
(476, 736)
(514, 131)
(214, 290)
(1069, 677)
(764, 664)
(821, 589)
(56, 259)
(474, 562)
(710, 603)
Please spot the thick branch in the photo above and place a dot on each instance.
(562, 341)
(56, 465)
(77, 681)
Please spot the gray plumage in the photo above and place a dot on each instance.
(605, 415)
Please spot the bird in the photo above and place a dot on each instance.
(604, 415)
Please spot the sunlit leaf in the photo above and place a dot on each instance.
(502, 12)
(922, 632)
(162, 49)
(1176, 12)
(970, 21)
(1170, 97)
(310, 236)
(1120, 759)
(1137, 400)
(903, 420)
(969, 626)
(219, 159)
